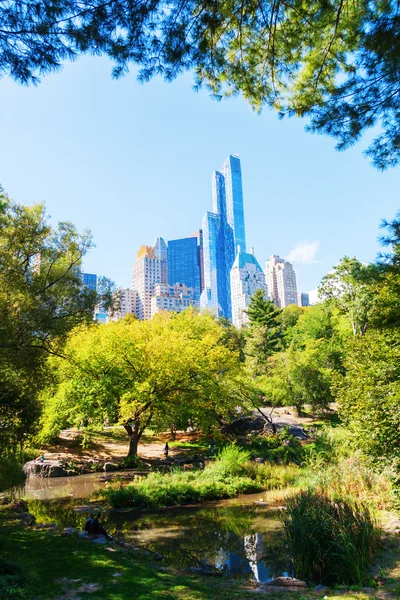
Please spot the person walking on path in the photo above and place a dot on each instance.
(166, 450)
(212, 445)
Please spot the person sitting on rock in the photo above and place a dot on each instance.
(89, 525)
(98, 528)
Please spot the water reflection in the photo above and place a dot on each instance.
(82, 486)
(242, 540)
(236, 536)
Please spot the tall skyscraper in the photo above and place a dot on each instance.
(184, 264)
(161, 252)
(89, 280)
(223, 233)
(281, 281)
(199, 237)
(209, 295)
(246, 277)
(232, 174)
(146, 272)
(303, 299)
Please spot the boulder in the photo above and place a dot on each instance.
(98, 539)
(288, 582)
(83, 535)
(27, 518)
(109, 466)
(47, 468)
(244, 425)
(157, 556)
(70, 531)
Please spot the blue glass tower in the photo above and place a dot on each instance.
(232, 174)
(89, 280)
(184, 264)
(223, 233)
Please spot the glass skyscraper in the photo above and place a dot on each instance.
(184, 264)
(89, 280)
(223, 233)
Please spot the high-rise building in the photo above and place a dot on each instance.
(209, 295)
(232, 174)
(161, 252)
(146, 272)
(89, 280)
(223, 233)
(246, 277)
(184, 264)
(176, 298)
(281, 281)
(199, 237)
(128, 301)
(303, 299)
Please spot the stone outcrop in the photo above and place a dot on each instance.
(47, 468)
(109, 466)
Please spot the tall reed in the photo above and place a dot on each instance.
(330, 541)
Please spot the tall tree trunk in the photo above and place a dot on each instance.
(134, 434)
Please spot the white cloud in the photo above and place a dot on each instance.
(303, 253)
(313, 294)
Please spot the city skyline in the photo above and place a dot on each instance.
(209, 269)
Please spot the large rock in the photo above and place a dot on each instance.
(109, 466)
(288, 582)
(244, 425)
(47, 468)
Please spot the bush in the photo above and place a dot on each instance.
(330, 541)
(11, 473)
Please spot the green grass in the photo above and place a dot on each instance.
(229, 475)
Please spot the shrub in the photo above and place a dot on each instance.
(330, 541)
(11, 473)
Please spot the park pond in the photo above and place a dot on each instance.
(241, 537)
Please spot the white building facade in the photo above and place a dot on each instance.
(174, 298)
(128, 304)
(246, 277)
(281, 281)
(146, 272)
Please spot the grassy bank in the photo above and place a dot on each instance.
(53, 566)
(229, 475)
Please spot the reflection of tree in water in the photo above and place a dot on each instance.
(225, 537)
(241, 539)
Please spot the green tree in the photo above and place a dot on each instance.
(41, 300)
(295, 378)
(335, 62)
(349, 287)
(265, 334)
(147, 373)
(369, 395)
(289, 318)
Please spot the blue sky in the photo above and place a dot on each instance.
(131, 162)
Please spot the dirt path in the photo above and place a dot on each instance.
(112, 444)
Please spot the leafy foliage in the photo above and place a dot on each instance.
(336, 62)
(41, 300)
(265, 333)
(369, 395)
(172, 369)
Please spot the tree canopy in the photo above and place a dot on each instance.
(174, 369)
(41, 299)
(336, 62)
